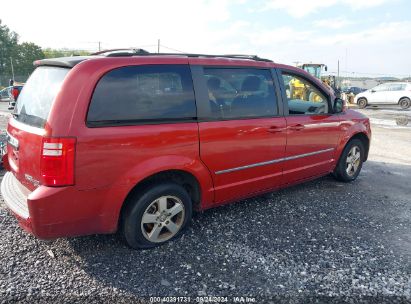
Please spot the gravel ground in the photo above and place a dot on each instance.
(322, 241)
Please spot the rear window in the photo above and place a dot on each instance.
(143, 94)
(35, 100)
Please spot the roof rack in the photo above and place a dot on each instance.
(121, 52)
(141, 52)
(232, 56)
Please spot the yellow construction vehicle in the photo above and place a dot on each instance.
(298, 90)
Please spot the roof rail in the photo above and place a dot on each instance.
(140, 52)
(232, 56)
(121, 52)
(235, 56)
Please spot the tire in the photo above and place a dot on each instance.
(348, 168)
(362, 103)
(404, 103)
(401, 121)
(166, 209)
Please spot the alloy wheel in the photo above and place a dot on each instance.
(405, 104)
(163, 219)
(362, 103)
(353, 161)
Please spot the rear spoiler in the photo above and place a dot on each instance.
(65, 62)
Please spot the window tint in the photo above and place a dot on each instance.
(136, 94)
(240, 93)
(303, 97)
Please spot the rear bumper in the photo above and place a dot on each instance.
(15, 195)
(53, 212)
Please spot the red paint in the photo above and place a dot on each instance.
(307, 134)
(238, 143)
(110, 161)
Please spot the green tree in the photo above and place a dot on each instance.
(23, 55)
(8, 44)
(20, 55)
(26, 53)
(55, 53)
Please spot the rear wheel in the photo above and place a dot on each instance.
(351, 160)
(156, 216)
(362, 103)
(404, 103)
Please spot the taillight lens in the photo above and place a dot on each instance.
(15, 93)
(57, 161)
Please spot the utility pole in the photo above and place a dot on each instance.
(99, 46)
(338, 72)
(12, 68)
(346, 61)
(158, 46)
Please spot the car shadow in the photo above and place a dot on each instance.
(311, 236)
(387, 107)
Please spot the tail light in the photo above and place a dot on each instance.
(15, 93)
(57, 161)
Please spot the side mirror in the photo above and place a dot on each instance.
(339, 105)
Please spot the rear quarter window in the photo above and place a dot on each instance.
(143, 94)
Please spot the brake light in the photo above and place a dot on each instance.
(15, 93)
(57, 161)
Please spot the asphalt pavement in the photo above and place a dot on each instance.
(323, 241)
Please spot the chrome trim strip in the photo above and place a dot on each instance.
(309, 154)
(273, 161)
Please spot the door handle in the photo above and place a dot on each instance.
(275, 129)
(297, 127)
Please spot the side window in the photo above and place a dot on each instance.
(303, 97)
(381, 88)
(397, 87)
(240, 93)
(138, 94)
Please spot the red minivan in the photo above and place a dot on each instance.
(136, 142)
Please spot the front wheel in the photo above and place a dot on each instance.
(156, 216)
(350, 162)
(362, 103)
(405, 103)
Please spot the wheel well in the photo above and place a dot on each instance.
(366, 142)
(182, 178)
(362, 98)
(404, 97)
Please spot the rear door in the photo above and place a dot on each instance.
(313, 132)
(241, 127)
(395, 92)
(27, 127)
(379, 94)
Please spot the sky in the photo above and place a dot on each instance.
(368, 37)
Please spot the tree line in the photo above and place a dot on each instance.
(17, 58)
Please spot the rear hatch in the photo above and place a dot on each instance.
(26, 130)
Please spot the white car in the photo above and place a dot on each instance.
(398, 93)
(5, 94)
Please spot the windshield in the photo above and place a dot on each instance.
(34, 102)
(313, 70)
